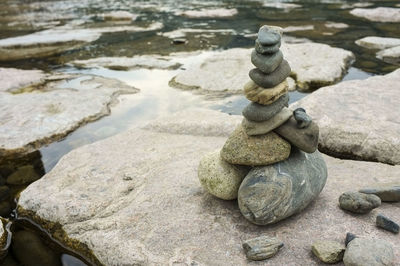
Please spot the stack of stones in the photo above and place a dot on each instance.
(270, 163)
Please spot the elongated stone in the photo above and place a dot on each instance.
(269, 35)
(387, 224)
(254, 150)
(261, 248)
(258, 128)
(220, 178)
(259, 112)
(260, 95)
(266, 63)
(358, 202)
(385, 191)
(306, 139)
(272, 79)
(272, 193)
(267, 49)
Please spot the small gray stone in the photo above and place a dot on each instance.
(262, 247)
(303, 119)
(359, 202)
(349, 237)
(220, 178)
(272, 193)
(387, 224)
(259, 128)
(259, 112)
(266, 63)
(386, 191)
(272, 79)
(267, 49)
(368, 252)
(268, 35)
(328, 251)
(306, 139)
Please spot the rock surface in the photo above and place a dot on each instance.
(262, 247)
(358, 202)
(20, 78)
(119, 15)
(306, 139)
(379, 14)
(371, 252)
(23, 175)
(358, 119)
(313, 65)
(163, 216)
(385, 191)
(349, 238)
(266, 63)
(260, 95)
(387, 224)
(220, 178)
(30, 120)
(259, 128)
(390, 55)
(209, 13)
(272, 193)
(259, 112)
(265, 149)
(374, 42)
(328, 251)
(272, 79)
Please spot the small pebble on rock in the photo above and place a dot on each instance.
(357, 202)
(387, 224)
(349, 237)
(328, 251)
(303, 120)
(262, 247)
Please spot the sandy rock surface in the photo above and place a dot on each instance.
(135, 198)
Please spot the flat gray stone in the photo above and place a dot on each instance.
(220, 178)
(378, 14)
(259, 128)
(272, 193)
(379, 43)
(30, 120)
(328, 251)
(262, 247)
(272, 79)
(358, 202)
(268, 35)
(267, 49)
(306, 139)
(371, 252)
(266, 63)
(150, 218)
(259, 112)
(390, 55)
(387, 224)
(385, 191)
(358, 119)
(243, 149)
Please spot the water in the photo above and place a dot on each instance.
(20, 17)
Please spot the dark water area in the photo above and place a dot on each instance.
(21, 17)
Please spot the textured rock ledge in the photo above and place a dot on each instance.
(135, 198)
(358, 119)
(313, 65)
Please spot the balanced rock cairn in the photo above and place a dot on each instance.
(270, 163)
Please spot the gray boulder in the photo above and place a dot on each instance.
(371, 252)
(272, 193)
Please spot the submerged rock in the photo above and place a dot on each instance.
(358, 202)
(23, 175)
(374, 42)
(358, 119)
(272, 193)
(328, 251)
(378, 14)
(262, 247)
(371, 252)
(385, 191)
(387, 224)
(243, 149)
(220, 178)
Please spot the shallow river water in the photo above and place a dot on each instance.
(21, 17)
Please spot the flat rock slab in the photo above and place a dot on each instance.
(30, 120)
(135, 199)
(209, 13)
(12, 78)
(57, 40)
(313, 65)
(374, 42)
(358, 119)
(379, 14)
